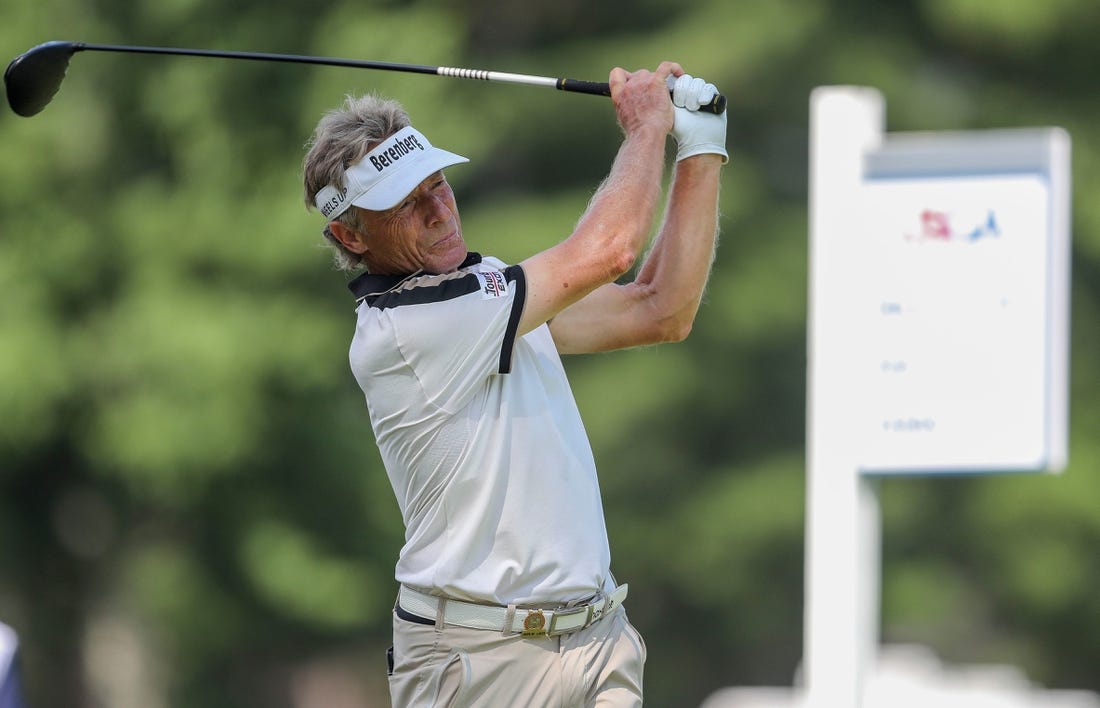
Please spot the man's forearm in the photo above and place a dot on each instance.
(678, 265)
(626, 202)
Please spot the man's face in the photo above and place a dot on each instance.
(423, 232)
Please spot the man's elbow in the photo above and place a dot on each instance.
(620, 263)
(677, 330)
(670, 329)
(666, 320)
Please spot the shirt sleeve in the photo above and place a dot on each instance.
(462, 332)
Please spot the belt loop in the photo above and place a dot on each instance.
(509, 620)
(439, 613)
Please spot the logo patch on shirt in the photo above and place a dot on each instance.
(493, 284)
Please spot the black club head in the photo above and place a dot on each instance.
(33, 78)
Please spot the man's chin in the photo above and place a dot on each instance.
(451, 256)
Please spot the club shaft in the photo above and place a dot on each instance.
(562, 84)
(597, 88)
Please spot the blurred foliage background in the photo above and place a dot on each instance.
(192, 510)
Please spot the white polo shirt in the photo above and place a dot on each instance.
(481, 438)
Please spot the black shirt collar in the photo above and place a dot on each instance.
(371, 284)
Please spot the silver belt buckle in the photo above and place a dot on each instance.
(553, 630)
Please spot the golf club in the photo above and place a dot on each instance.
(34, 77)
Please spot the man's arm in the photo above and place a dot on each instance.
(615, 227)
(661, 303)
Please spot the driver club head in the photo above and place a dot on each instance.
(33, 78)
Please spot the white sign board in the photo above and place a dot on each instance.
(961, 312)
(937, 340)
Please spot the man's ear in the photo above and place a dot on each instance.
(352, 240)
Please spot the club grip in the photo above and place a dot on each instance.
(597, 88)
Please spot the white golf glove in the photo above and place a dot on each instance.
(696, 132)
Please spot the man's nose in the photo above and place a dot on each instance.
(438, 209)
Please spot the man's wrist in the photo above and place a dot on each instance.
(704, 160)
(687, 152)
(648, 132)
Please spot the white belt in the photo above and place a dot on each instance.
(510, 620)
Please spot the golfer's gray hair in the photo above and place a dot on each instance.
(342, 137)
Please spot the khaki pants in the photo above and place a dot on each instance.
(455, 667)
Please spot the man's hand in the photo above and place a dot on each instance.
(641, 97)
(696, 133)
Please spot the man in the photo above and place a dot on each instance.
(506, 595)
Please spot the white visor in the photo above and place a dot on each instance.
(386, 175)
